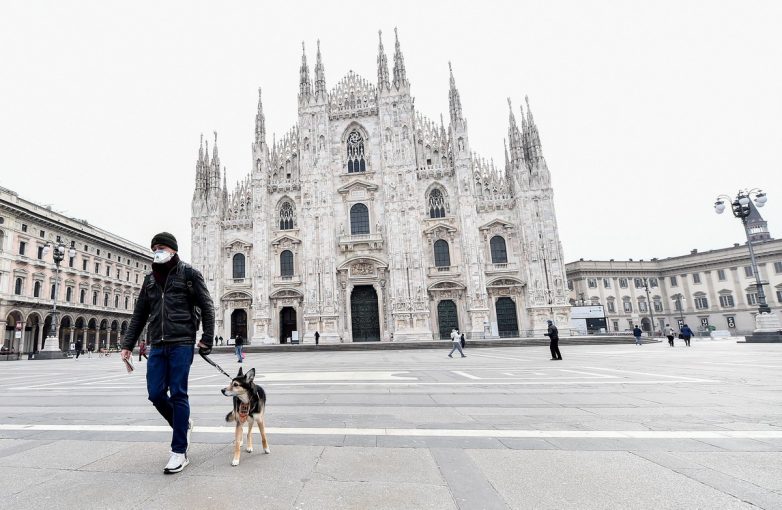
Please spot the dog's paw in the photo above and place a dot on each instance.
(249, 449)
(266, 450)
(235, 462)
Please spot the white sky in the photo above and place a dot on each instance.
(646, 110)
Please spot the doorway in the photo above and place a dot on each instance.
(447, 318)
(507, 321)
(287, 323)
(364, 314)
(239, 323)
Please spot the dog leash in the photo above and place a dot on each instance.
(206, 358)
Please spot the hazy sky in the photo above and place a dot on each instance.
(646, 110)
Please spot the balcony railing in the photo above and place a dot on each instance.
(502, 267)
(444, 270)
(348, 242)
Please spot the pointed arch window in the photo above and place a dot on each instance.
(436, 204)
(356, 155)
(442, 255)
(287, 216)
(359, 219)
(286, 263)
(238, 269)
(499, 252)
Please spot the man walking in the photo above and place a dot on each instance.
(669, 334)
(317, 337)
(168, 299)
(239, 342)
(456, 341)
(687, 334)
(78, 347)
(637, 334)
(553, 335)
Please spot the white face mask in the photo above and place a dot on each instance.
(162, 256)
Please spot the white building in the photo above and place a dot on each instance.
(713, 288)
(97, 288)
(369, 221)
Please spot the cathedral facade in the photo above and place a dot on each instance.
(368, 221)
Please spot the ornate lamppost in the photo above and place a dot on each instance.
(767, 325)
(51, 349)
(679, 299)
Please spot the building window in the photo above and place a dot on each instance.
(615, 324)
(606, 283)
(68, 294)
(726, 301)
(778, 267)
(126, 302)
(70, 261)
(52, 292)
(286, 216)
(779, 296)
(118, 273)
(238, 266)
(701, 303)
(37, 289)
(658, 305)
(696, 278)
(18, 287)
(442, 255)
(41, 233)
(623, 283)
(653, 283)
(24, 227)
(82, 295)
(359, 219)
(22, 246)
(97, 268)
(436, 204)
(674, 281)
(40, 253)
(108, 271)
(106, 299)
(286, 263)
(752, 298)
(748, 272)
(611, 306)
(136, 277)
(628, 306)
(592, 283)
(94, 298)
(116, 301)
(639, 283)
(499, 252)
(642, 306)
(677, 305)
(83, 265)
(721, 275)
(355, 148)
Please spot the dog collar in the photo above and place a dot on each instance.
(244, 411)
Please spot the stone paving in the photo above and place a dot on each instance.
(610, 426)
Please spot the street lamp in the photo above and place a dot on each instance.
(649, 304)
(680, 306)
(767, 325)
(51, 347)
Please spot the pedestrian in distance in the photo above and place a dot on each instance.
(317, 338)
(637, 334)
(171, 300)
(90, 349)
(78, 347)
(239, 343)
(456, 342)
(553, 335)
(462, 340)
(669, 334)
(686, 334)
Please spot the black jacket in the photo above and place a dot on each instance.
(170, 310)
(553, 332)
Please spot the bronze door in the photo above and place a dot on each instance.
(364, 314)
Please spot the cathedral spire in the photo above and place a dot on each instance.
(454, 102)
(320, 77)
(260, 122)
(400, 75)
(305, 87)
(515, 139)
(383, 84)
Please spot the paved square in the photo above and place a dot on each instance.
(614, 426)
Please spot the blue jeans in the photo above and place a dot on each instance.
(168, 369)
(239, 352)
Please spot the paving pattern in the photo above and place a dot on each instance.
(611, 426)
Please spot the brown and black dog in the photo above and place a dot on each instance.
(249, 406)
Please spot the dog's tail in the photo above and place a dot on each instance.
(229, 417)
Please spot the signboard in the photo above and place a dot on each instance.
(705, 322)
(731, 322)
(18, 333)
(680, 323)
(587, 312)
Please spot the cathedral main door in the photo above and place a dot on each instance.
(364, 314)
(507, 321)
(239, 323)
(447, 317)
(287, 323)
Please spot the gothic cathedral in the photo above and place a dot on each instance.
(367, 221)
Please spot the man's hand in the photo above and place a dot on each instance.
(126, 354)
(204, 349)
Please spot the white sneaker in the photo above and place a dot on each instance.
(176, 463)
(189, 431)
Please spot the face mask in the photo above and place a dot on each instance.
(162, 256)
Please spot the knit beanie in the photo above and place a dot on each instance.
(165, 239)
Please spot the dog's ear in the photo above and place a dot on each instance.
(240, 372)
(250, 375)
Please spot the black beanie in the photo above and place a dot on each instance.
(165, 239)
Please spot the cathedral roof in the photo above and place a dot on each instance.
(353, 96)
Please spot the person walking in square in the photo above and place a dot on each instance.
(456, 341)
(687, 334)
(637, 334)
(317, 338)
(669, 334)
(169, 299)
(78, 347)
(239, 343)
(553, 335)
